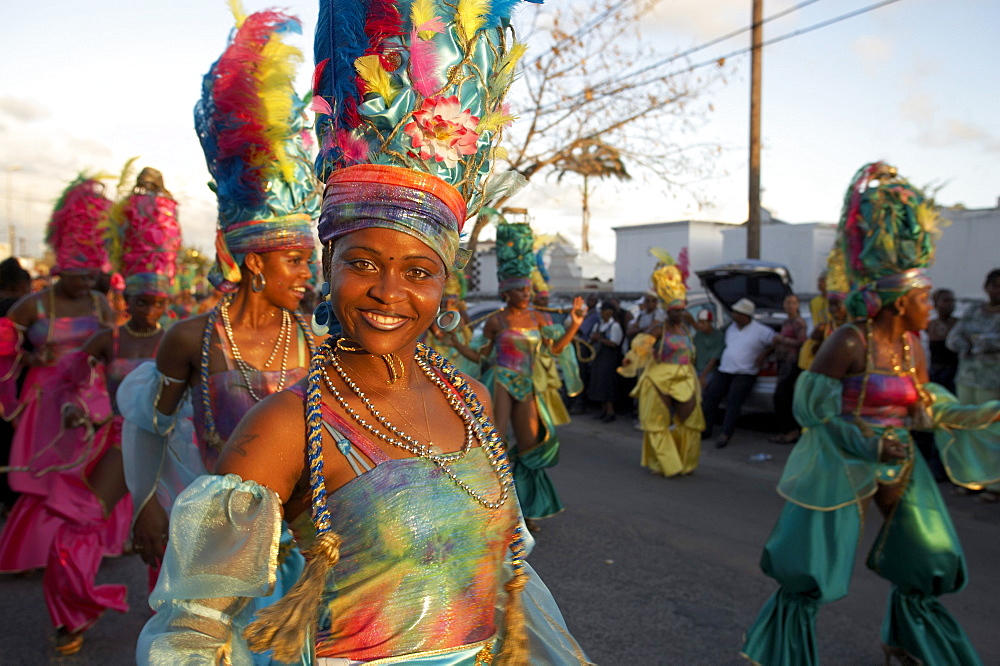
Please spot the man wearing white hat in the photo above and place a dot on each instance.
(748, 343)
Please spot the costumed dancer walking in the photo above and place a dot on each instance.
(865, 391)
(212, 368)
(406, 481)
(55, 321)
(668, 390)
(146, 240)
(528, 351)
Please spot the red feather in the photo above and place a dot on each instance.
(383, 21)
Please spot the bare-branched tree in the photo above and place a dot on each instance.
(590, 80)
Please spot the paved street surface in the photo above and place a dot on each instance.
(647, 570)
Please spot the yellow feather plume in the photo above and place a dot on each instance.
(236, 7)
(491, 122)
(421, 12)
(469, 15)
(505, 69)
(276, 74)
(499, 153)
(370, 69)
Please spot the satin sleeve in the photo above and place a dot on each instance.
(222, 552)
(159, 452)
(967, 437)
(834, 463)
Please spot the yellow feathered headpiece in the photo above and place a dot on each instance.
(670, 278)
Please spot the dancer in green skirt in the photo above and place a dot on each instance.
(865, 391)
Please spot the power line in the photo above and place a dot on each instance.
(740, 51)
(713, 42)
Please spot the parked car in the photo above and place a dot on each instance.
(766, 283)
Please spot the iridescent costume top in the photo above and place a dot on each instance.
(526, 368)
(420, 577)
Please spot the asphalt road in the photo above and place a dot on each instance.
(647, 570)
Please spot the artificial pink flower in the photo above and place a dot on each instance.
(443, 131)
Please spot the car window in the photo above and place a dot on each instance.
(766, 291)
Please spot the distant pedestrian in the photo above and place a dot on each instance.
(819, 305)
(708, 345)
(649, 314)
(944, 361)
(976, 338)
(787, 345)
(607, 339)
(748, 342)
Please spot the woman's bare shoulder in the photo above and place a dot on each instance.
(268, 445)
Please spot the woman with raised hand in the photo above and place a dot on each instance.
(528, 350)
(212, 368)
(54, 322)
(865, 391)
(414, 539)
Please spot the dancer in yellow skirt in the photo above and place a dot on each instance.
(668, 390)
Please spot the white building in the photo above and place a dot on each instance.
(634, 264)
(968, 249)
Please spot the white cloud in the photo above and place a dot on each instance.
(23, 110)
(873, 51)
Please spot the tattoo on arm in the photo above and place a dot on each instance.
(239, 446)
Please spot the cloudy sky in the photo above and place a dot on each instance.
(88, 85)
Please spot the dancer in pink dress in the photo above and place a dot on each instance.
(95, 505)
(54, 322)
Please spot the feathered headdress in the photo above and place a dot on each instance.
(886, 235)
(146, 235)
(409, 101)
(74, 231)
(670, 277)
(252, 129)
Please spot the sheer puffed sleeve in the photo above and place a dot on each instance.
(566, 365)
(967, 436)
(834, 463)
(159, 451)
(222, 552)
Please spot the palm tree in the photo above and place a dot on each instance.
(591, 158)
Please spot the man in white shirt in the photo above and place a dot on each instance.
(748, 343)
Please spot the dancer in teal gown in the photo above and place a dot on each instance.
(865, 391)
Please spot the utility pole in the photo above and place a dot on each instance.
(753, 214)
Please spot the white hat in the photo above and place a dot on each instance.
(744, 306)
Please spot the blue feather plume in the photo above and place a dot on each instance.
(340, 36)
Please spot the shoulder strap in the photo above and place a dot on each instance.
(338, 425)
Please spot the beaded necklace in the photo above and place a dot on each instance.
(212, 438)
(284, 338)
(491, 445)
(142, 334)
(485, 432)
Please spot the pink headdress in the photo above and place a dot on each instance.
(150, 242)
(74, 228)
